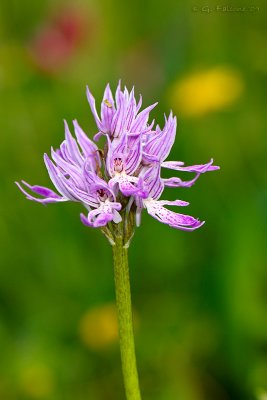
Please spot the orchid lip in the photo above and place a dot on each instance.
(102, 195)
(118, 165)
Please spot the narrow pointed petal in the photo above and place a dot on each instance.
(89, 148)
(174, 220)
(72, 146)
(134, 158)
(110, 156)
(139, 104)
(177, 182)
(49, 196)
(118, 120)
(56, 178)
(161, 143)
(64, 153)
(148, 129)
(70, 169)
(131, 111)
(118, 92)
(178, 166)
(91, 101)
(107, 109)
(68, 187)
(180, 203)
(42, 190)
(80, 195)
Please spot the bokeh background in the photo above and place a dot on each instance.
(200, 298)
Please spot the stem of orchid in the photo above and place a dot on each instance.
(124, 310)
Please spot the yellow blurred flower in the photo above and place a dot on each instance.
(261, 394)
(36, 381)
(98, 328)
(206, 91)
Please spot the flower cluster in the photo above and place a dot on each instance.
(123, 178)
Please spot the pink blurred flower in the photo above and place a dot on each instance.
(57, 40)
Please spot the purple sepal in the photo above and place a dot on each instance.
(174, 220)
(161, 142)
(178, 166)
(107, 109)
(89, 148)
(49, 196)
(177, 182)
(91, 101)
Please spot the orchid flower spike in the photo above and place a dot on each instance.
(127, 178)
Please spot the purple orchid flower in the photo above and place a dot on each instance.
(125, 177)
(121, 115)
(73, 173)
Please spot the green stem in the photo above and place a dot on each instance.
(124, 310)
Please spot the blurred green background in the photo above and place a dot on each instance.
(200, 299)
